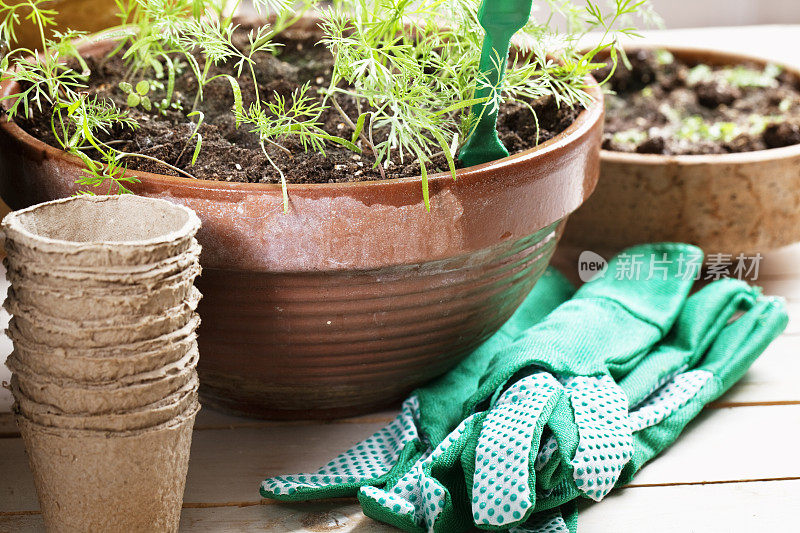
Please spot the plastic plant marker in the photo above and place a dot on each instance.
(501, 19)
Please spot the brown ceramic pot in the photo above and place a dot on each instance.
(84, 15)
(358, 294)
(731, 203)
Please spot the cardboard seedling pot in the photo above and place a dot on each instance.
(96, 305)
(126, 350)
(99, 231)
(104, 365)
(173, 263)
(149, 275)
(80, 398)
(52, 331)
(110, 481)
(150, 415)
(50, 281)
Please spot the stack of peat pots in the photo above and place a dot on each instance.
(103, 302)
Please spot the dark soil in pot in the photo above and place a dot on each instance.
(233, 154)
(666, 105)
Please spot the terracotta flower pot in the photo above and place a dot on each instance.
(730, 203)
(358, 294)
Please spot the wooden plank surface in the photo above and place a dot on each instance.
(227, 465)
(735, 469)
(711, 508)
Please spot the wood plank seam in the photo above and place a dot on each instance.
(727, 405)
(711, 482)
(19, 513)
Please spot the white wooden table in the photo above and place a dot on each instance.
(735, 469)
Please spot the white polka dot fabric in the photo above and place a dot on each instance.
(546, 452)
(509, 436)
(417, 494)
(389, 501)
(366, 460)
(605, 443)
(668, 399)
(549, 521)
(501, 484)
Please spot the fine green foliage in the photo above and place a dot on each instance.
(414, 67)
(632, 137)
(736, 76)
(410, 69)
(694, 128)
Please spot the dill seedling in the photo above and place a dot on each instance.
(275, 120)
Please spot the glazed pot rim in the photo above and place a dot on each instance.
(754, 156)
(579, 126)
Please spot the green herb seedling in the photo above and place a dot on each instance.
(137, 96)
(501, 19)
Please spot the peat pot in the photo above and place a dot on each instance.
(744, 203)
(358, 294)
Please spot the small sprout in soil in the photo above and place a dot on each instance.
(738, 76)
(672, 115)
(700, 109)
(195, 135)
(632, 137)
(664, 57)
(701, 73)
(741, 76)
(759, 123)
(137, 96)
(694, 129)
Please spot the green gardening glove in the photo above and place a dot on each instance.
(607, 318)
(703, 356)
(589, 438)
(426, 418)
